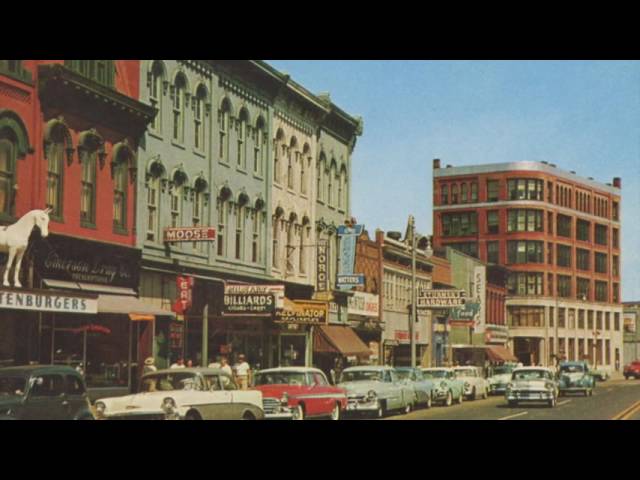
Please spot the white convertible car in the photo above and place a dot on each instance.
(184, 394)
(474, 383)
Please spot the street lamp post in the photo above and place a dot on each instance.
(412, 320)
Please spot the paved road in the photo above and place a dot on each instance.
(610, 399)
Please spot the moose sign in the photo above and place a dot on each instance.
(14, 240)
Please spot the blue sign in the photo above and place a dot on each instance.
(348, 237)
(354, 230)
(348, 281)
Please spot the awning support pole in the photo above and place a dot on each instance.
(205, 335)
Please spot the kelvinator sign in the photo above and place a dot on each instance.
(189, 234)
(440, 298)
(44, 301)
(305, 312)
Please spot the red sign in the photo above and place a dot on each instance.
(189, 234)
(185, 297)
(404, 335)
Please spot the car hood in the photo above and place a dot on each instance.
(530, 384)
(360, 387)
(573, 376)
(277, 390)
(502, 378)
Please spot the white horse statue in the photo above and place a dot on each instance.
(14, 239)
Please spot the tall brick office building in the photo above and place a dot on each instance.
(559, 235)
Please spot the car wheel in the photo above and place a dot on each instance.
(449, 400)
(461, 397)
(298, 412)
(248, 416)
(473, 395)
(513, 403)
(335, 413)
(428, 405)
(192, 416)
(552, 402)
(381, 412)
(485, 395)
(408, 408)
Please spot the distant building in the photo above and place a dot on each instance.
(559, 235)
(631, 326)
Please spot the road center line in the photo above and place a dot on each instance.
(564, 402)
(513, 416)
(627, 412)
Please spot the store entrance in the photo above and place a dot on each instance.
(527, 349)
(292, 350)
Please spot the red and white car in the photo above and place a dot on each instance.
(632, 370)
(296, 393)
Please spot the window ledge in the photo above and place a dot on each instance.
(118, 230)
(156, 135)
(90, 225)
(258, 176)
(178, 145)
(199, 153)
(241, 170)
(291, 191)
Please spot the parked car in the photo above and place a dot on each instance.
(376, 389)
(474, 383)
(632, 370)
(43, 392)
(297, 393)
(499, 378)
(447, 387)
(423, 387)
(532, 384)
(184, 394)
(575, 377)
(599, 375)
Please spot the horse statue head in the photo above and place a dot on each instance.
(41, 220)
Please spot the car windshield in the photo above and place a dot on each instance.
(361, 376)
(466, 373)
(571, 368)
(12, 386)
(434, 373)
(502, 370)
(530, 375)
(404, 374)
(280, 378)
(165, 382)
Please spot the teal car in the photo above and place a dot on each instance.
(446, 386)
(500, 378)
(575, 377)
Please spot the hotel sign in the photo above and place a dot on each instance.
(189, 234)
(44, 301)
(440, 298)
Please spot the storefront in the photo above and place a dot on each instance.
(364, 318)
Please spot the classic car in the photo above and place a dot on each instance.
(532, 384)
(599, 375)
(297, 393)
(499, 378)
(446, 386)
(375, 389)
(184, 394)
(474, 383)
(43, 392)
(423, 387)
(632, 370)
(575, 377)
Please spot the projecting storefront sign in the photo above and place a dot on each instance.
(440, 298)
(348, 236)
(365, 304)
(184, 285)
(189, 234)
(496, 335)
(305, 312)
(321, 257)
(348, 281)
(252, 299)
(46, 302)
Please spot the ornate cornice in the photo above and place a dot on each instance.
(294, 121)
(242, 91)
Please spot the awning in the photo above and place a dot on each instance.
(339, 339)
(500, 354)
(132, 306)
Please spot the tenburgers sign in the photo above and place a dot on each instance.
(250, 299)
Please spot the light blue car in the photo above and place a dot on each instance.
(447, 387)
(423, 387)
(575, 377)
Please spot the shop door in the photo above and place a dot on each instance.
(292, 350)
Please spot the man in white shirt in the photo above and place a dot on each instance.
(243, 371)
(179, 363)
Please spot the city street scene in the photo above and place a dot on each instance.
(304, 239)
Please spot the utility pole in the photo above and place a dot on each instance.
(412, 320)
(205, 335)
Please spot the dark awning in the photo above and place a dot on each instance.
(339, 339)
(500, 354)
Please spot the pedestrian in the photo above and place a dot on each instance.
(179, 363)
(243, 372)
(149, 366)
(189, 363)
(216, 363)
(225, 367)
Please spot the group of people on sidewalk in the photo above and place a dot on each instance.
(240, 372)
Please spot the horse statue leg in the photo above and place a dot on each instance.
(12, 254)
(16, 273)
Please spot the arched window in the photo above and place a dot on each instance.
(291, 244)
(156, 94)
(305, 164)
(319, 176)
(332, 191)
(343, 194)
(88, 150)
(276, 156)
(223, 122)
(259, 147)
(7, 171)
(178, 108)
(120, 194)
(198, 119)
(305, 234)
(328, 182)
(463, 193)
(242, 139)
(176, 194)
(454, 193)
(57, 140)
(153, 193)
(240, 219)
(292, 156)
(257, 221)
(277, 220)
(199, 214)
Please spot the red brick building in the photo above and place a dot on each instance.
(69, 133)
(559, 235)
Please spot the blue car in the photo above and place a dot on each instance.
(575, 377)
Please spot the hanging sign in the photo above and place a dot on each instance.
(479, 292)
(440, 298)
(348, 236)
(306, 312)
(189, 234)
(350, 280)
(322, 263)
(185, 295)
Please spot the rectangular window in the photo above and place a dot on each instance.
(459, 224)
(524, 220)
(599, 321)
(582, 230)
(87, 199)
(521, 251)
(526, 316)
(493, 222)
(581, 323)
(572, 318)
(493, 252)
(616, 321)
(601, 262)
(550, 223)
(583, 285)
(616, 293)
(550, 284)
(525, 189)
(563, 226)
(615, 266)
(562, 317)
(525, 283)
(601, 234)
(444, 194)
(590, 320)
(564, 286)
(563, 255)
(551, 321)
(550, 253)
(493, 189)
(615, 238)
(601, 291)
(582, 259)
(615, 213)
(607, 321)
(474, 192)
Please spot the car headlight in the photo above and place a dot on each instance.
(100, 409)
(548, 386)
(169, 407)
(443, 384)
(509, 386)
(372, 395)
(285, 399)
(466, 385)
